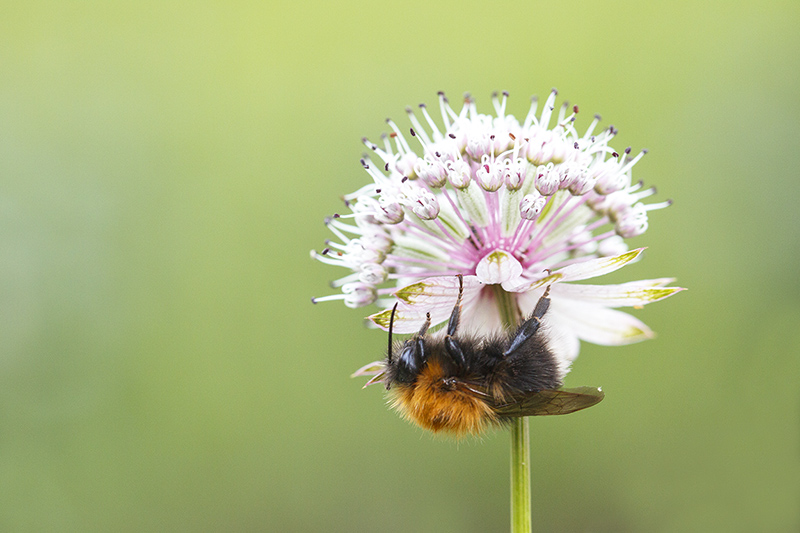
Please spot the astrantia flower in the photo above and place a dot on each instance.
(510, 205)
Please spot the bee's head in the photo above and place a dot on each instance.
(410, 360)
(405, 365)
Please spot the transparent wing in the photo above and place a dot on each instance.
(552, 402)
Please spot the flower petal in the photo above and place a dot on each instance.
(435, 295)
(509, 211)
(378, 378)
(598, 324)
(405, 321)
(514, 285)
(498, 266)
(473, 201)
(437, 290)
(560, 339)
(566, 223)
(370, 369)
(597, 267)
(481, 315)
(634, 293)
(564, 344)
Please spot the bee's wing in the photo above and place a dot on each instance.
(552, 402)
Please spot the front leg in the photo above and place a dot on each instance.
(529, 328)
(451, 345)
(455, 316)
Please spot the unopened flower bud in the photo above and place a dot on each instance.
(458, 174)
(433, 173)
(425, 205)
(531, 206)
(547, 179)
(489, 177)
(389, 211)
(358, 294)
(372, 274)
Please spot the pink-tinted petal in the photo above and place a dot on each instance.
(436, 295)
(378, 378)
(407, 321)
(371, 369)
(481, 315)
(437, 290)
(597, 267)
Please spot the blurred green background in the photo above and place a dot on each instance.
(165, 168)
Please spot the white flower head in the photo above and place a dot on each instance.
(520, 206)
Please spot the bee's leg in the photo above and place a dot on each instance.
(529, 328)
(425, 325)
(455, 316)
(454, 351)
(452, 347)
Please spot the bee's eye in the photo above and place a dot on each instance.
(409, 357)
(408, 363)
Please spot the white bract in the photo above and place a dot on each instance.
(515, 205)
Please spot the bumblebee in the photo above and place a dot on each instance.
(460, 383)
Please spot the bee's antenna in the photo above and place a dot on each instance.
(391, 325)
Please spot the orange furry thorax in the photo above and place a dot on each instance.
(435, 404)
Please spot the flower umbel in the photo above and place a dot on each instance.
(517, 205)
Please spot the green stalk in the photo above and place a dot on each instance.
(520, 435)
(520, 476)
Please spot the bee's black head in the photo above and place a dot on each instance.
(408, 363)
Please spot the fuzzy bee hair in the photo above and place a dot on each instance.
(460, 383)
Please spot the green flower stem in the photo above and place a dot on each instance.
(520, 476)
(520, 435)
